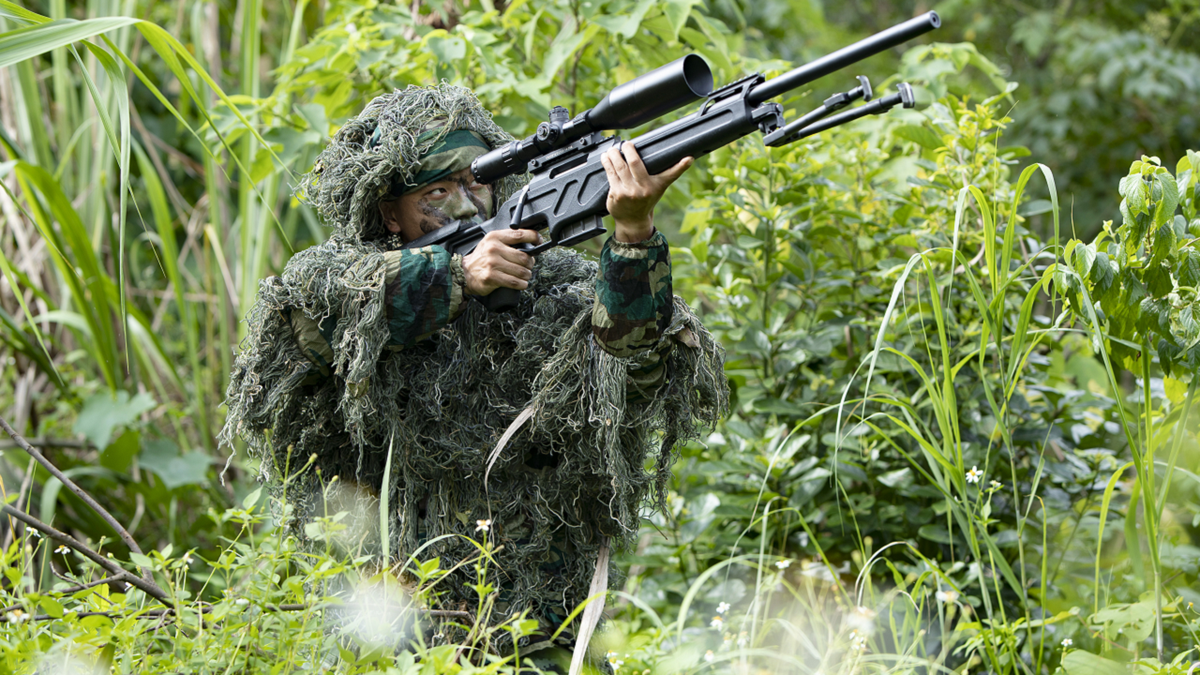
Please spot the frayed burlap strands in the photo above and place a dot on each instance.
(569, 479)
(384, 144)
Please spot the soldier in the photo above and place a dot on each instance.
(532, 428)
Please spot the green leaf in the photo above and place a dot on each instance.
(1164, 244)
(677, 12)
(31, 41)
(51, 606)
(1133, 189)
(1169, 199)
(1134, 291)
(447, 49)
(163, 459)
(1188, 271)
(1135, 621)
(935, 533)
(1078, 662)
(1155, 317)
(564, 46)
(1084, 257)
(919, 134)
(102, 413)
(1158, 280)
(120, 453)
(1189, 322)
(1102, 274)
(251, 499)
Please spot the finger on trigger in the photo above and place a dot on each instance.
(517, 236)
(516, 256)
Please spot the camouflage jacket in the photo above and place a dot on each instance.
(425, 292)
(397, 384)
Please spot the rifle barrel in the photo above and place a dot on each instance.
(881, 41)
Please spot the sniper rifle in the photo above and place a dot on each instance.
(568, 188)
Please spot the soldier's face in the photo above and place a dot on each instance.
(457, 197)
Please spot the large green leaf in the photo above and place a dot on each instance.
(1078, 662)
(163, 458)
(104, 412)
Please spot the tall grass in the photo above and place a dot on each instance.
(73, 185)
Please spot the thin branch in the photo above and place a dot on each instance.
(80, 587)
(119, 573)
(78, 492)
(48, 443)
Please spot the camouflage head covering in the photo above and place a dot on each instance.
(388, 147)
(452, 154)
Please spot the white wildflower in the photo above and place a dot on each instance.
(1067, 642)
(484, 526)
(128, 587)
(947, 596)
(241, 602)
(722, 608)
(743, 639)
(709, 656)
(783, 564)
(16, 616)
(974, 475)
(63, 550)
(187, 558)
(996, 485)
(717, 623)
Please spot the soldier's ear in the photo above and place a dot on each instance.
(390, 211)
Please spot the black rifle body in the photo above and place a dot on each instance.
(568, 189)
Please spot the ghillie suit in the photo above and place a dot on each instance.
(357, 349)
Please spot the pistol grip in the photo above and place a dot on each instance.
(501, 299)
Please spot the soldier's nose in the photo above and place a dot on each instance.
(460, 206)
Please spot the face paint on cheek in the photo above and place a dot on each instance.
(433, 218)
(482, 201)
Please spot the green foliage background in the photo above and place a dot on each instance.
(963, 435)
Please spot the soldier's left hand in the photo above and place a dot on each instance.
(633, 192)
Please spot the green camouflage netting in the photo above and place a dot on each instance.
(384, 144)
(573, 476)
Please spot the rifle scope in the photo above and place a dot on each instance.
(881, 41)
(632, 104)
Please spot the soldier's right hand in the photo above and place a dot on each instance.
(496, 264)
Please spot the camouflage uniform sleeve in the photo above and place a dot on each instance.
(634, 305)
(423, 291)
